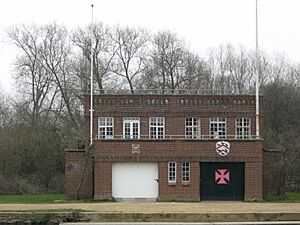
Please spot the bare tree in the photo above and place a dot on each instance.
(242, 75)
(56, 54)
(36, 84)
(44, 101)
(167, 65)
(234, 71)
(130, 58)
(6, 111)
(103, 54)
(282, 123)
(222, 64)
(197, 74)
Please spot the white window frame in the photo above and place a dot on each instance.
(185, 172)
(106, 126)
(243, 128)
(156, 135)
(172, 177)
(131, 121)
(219, 133)
(195, 128)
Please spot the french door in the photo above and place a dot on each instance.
(131, 128)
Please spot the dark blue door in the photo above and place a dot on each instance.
(221, 181)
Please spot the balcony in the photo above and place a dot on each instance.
(177, 137)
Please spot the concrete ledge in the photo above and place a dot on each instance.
(253, 198)
(143, 200)
(179, 198)
(187, 217)
(101, 197)
(56, 217)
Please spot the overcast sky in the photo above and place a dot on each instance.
(202, 23)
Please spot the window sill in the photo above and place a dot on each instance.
(185, 183)
(172, 183)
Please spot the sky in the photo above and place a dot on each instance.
(204, 24)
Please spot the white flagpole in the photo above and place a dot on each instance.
(91, 84)
(257, 74)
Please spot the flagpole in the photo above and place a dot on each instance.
(257, 72)
(91, 83)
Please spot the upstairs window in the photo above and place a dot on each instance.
(242, 128)
(131, 127)
(172, 172)
(157, 127)
(185, 172)
(192, 128)
(218, 127)
(106, 127)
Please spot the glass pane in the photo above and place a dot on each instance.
(188, 132)
(135, 130)
(152, 132)
(101, 121)
(109, 121)
(188, 121)
(109, 131)
(160, 122)
(195, 122)
(160, 132)
(102, 132)
(152, 121)
(172, 171)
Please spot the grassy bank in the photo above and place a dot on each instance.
(293, 196)
(51, 198)
(35, 199)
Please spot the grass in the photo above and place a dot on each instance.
(31, 198)
(47, 198)
(293, 196)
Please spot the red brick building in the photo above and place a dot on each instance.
(169, 147)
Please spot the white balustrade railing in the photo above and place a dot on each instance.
(178, 137)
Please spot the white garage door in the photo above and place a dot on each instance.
(134, 180)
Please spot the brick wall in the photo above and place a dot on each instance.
(175, 109)
(160, 150)
(74, 165)
(179, 190)
(253, 181)
(163, 151)
(103, 177)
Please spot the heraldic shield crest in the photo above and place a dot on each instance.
(222, 148)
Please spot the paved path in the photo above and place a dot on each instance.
(160, 207)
